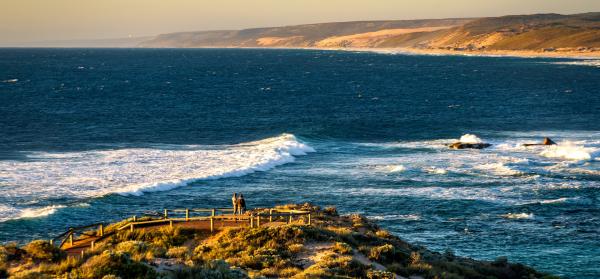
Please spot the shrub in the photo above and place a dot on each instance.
(383, 234)
(296, 248)
(415, 257)
(383, 253)
(29, 274)
(330, 211)
(342, 248)
(211, 270)
(42, 250)
(416, 265)
(65, 266)
(179, 252)
(376, 274)
(113, 263)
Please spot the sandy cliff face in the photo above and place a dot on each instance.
(544, 32)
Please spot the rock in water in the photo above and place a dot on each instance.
(461, 145)
(548, 141)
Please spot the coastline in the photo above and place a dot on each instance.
(442, 52)
(328, 245)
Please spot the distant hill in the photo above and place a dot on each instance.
(308, 35)
(540, 32)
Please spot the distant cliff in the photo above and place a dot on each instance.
(540, 32)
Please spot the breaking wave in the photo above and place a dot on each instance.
(134, 171)
(570, 151)
(11, 213)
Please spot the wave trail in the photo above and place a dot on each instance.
(133, 171)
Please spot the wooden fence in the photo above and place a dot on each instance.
(172, 216)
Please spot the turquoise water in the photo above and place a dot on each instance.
(90, 135)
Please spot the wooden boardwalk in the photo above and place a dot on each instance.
(77, 240)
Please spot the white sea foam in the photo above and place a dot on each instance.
(396, 168)
(436, 170)
(469, 138)
(12, 213)
(559, 200)
(11, 80)
(133, 171)
(497, 169)
(394, 217)
(589, 63)
(518, 216)
(39, 212)
(570, 151)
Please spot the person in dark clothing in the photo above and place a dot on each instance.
(241, 206)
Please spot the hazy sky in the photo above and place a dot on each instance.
(41, 20)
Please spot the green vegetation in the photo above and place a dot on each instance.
(335, 246)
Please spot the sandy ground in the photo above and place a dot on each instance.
(440, 52)
(363, 40)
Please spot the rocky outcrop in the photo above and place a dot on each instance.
(547, 141)
(462, 145)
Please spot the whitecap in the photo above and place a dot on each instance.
(518, 216)
(396, 168)
(589, 63)
(11, 213)
(39, 212)
(394, 217)
(11, 80)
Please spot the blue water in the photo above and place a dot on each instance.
(90, 135)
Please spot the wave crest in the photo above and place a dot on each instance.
(570, 151)
(134, 171)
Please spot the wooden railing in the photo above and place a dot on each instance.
(69, 235)
(172, 216)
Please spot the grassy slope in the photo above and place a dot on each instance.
(337, 247)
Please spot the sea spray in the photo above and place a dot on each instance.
(134, 171)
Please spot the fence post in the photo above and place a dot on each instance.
(71, 238)
(101, 230)
(187, 214)
(212, 224)
(131, 227)
(252, 220)
(258, 221)
(290, 221)
(270, 215)
(309, 219)
(134, 218)
(171, 223)
(166, 213)
(52, 242)
(213, 213)
(82, 253)
(93, 245)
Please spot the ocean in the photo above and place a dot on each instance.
(90, 135)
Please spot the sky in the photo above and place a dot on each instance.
(51, 20)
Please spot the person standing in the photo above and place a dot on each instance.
(234, 201)
(241, 204)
